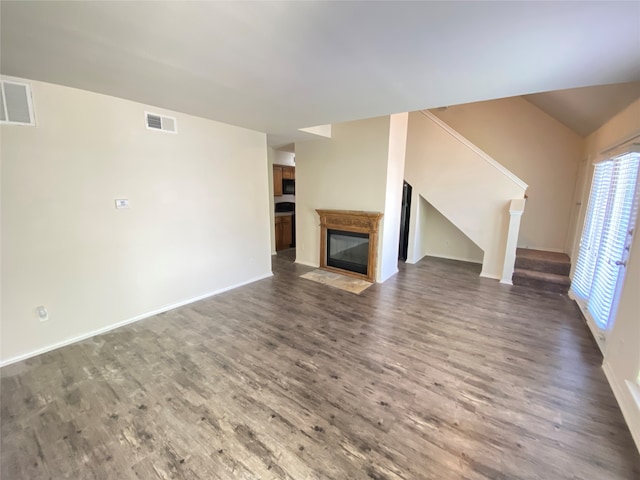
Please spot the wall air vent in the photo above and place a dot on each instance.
(16, 106)
(161, 122)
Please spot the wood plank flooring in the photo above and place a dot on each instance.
(435, 374)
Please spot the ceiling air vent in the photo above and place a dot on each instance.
(15, 103)
(161, 122)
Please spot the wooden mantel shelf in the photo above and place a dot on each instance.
(351, 221)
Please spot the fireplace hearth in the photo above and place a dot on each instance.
(349, 242)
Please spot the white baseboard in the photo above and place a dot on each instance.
(446, 257)
(382, 280)
(122, 323)
(544, 249)
(308, 264)
(629, 405)
(598, 336)
(449, 257)
(506, 282)
(412, 261)
(490, 275)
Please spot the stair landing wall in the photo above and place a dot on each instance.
(458, 181)
(538, 149)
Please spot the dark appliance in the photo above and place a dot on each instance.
(285, 207)
(288, 186)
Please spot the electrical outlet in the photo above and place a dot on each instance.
(43, 315)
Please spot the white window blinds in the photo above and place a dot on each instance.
(592, 233)
(611, 214)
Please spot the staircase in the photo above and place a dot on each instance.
(542, 270)
(468, 187)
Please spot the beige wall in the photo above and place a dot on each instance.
(390, 234)
(284, 158)
(346, 172)
(417, 228)
(198, 221)
(538, 149)
(622, 350)
(438, 237)
(622, 354)
(469, 191)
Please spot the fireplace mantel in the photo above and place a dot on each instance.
(351, 221)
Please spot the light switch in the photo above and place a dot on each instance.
(122, 203)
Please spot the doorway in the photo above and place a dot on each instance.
(606, 240)
(403, 247)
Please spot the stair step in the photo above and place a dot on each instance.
(541, 261)
(544, 281)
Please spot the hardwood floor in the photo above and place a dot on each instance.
(435, 374)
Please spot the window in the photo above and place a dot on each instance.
(606, 238)
(15, 103)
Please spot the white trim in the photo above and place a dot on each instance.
(412, 261)
(598, 335)
(476, 150)
(619, 144)
(388, 277)
(516, 208)
(544, 249)
(457, 259)
(579, 201)
(634, 389)
(308, 264)
(627, 399)
(4, 103)
(490, 275)
(113, 326)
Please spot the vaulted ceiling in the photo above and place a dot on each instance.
(585, 109)
(279, 66)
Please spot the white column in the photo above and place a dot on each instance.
(516, 210)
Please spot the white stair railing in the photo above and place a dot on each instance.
(516, 209)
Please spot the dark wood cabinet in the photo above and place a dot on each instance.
(278, 230)
(277, 180)
(279, 172)
(289, 173)
(287, 232)
(284, 232)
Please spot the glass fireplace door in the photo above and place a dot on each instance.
(348, 250)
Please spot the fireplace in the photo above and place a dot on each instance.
(349, 242)
(348, 250)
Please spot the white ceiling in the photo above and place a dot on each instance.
(279, 66)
